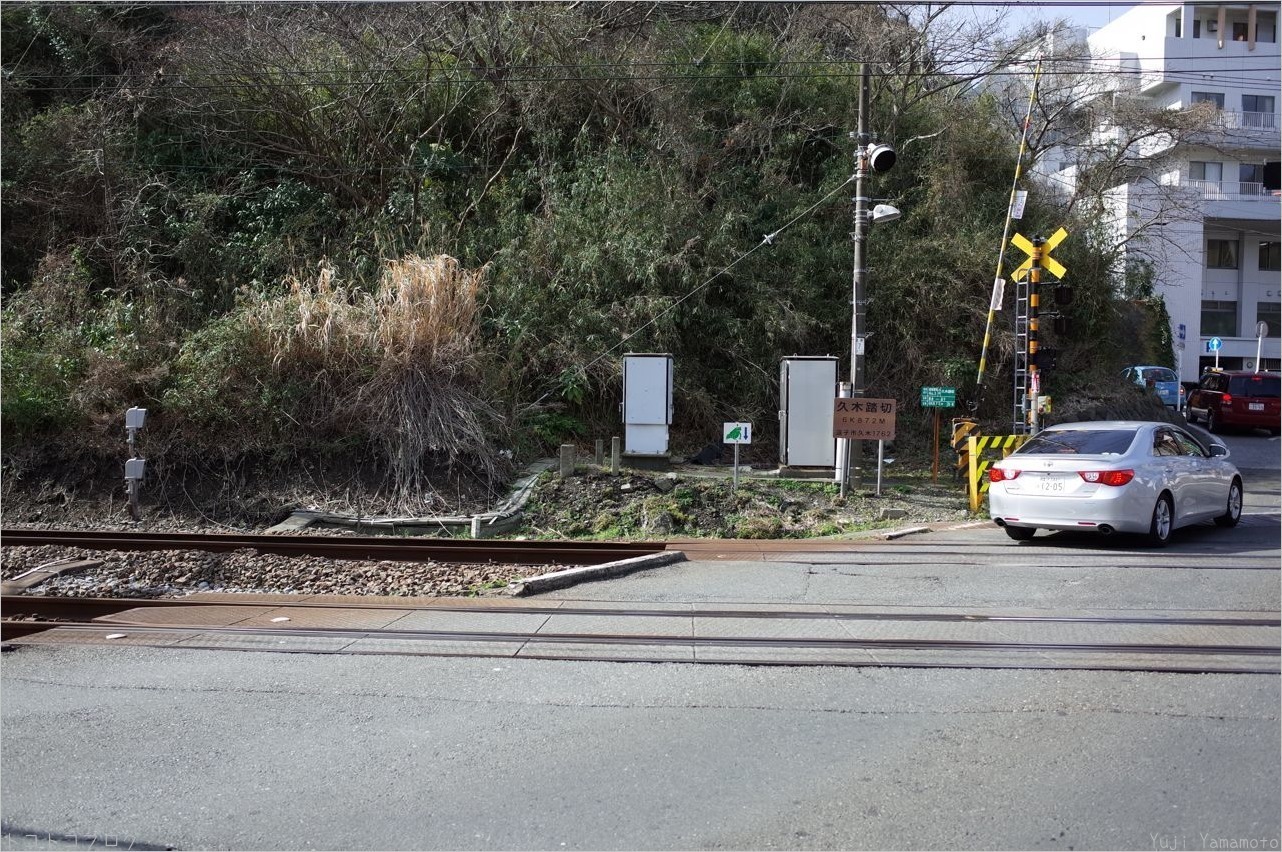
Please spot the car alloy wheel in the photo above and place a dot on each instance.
(1233, 509)
(1212, 425)
(1159, 531)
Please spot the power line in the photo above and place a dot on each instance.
(766, 239)
(515, 71)
(1197, 75)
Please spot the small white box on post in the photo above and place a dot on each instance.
(134, 466)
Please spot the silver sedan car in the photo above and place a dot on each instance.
(1114, 476)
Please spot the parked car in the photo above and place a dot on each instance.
(1110, 476)
(1161, 380)
(1237, 398)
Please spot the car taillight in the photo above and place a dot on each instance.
(996, 474)
(1226, 399)
(1107, 477)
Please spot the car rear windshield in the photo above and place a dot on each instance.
(1254, 386)
(1159, 374)
(1084, 441)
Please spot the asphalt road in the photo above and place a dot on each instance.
(148, 748)
(1253, 450)
(260, 751)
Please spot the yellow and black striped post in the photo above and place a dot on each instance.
(1034, 376)
(963, 427)
(977, 446)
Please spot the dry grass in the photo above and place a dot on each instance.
(398, 363)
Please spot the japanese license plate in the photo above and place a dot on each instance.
(1255, 406)
(1051, 485)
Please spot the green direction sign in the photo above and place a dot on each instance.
(938, 397)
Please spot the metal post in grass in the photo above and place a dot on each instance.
(736, 434)
(134, 466)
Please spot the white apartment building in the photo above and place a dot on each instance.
(1216, 254)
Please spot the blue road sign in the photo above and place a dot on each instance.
(1214, 344)
(1182, 331)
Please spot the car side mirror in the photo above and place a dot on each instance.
(1219, 451)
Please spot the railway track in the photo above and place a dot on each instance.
(1146, 642)
(346, 547)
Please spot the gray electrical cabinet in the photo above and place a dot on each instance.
(807, 387)
(647, 403)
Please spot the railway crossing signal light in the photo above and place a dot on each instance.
(881, 158)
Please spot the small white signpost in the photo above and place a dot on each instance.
(736, 433)
(1214, 345)
(1261, 332)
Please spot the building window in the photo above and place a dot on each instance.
(1271, 313)
(1266, 28)
(1250, 177)
(1206, 171)
(1221, 254)
(1270, 260)
(1219, 319)
(1216, 98)
(1257, 111)
(1239, 30)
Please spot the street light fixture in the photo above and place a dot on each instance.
(884, 213)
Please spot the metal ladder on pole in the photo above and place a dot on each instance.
(1019, 413)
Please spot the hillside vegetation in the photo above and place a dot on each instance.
(400, 238)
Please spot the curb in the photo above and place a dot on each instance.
(588, 573)
(893, 534)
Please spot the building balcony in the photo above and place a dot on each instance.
(1227, 119)
(1231, 190)
(1174, 61)
(1242, 130)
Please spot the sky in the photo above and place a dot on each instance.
(1092, 16)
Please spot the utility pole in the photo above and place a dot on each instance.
(868, 158)
(859, 279)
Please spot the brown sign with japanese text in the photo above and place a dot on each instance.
(860, 418)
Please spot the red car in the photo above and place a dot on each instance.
(1237, 398)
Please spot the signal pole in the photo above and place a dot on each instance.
(859, 279)
(1034, 370)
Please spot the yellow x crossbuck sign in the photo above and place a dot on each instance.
(1050, 264)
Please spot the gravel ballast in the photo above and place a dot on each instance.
(174, 573)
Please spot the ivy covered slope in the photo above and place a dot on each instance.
(408, 235)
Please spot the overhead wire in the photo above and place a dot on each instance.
(766, 240)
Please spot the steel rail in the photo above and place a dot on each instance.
(74, 608)
(346, 547)
(356, 633)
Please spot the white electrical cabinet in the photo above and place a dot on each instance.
(807, 387)
(647, 403)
